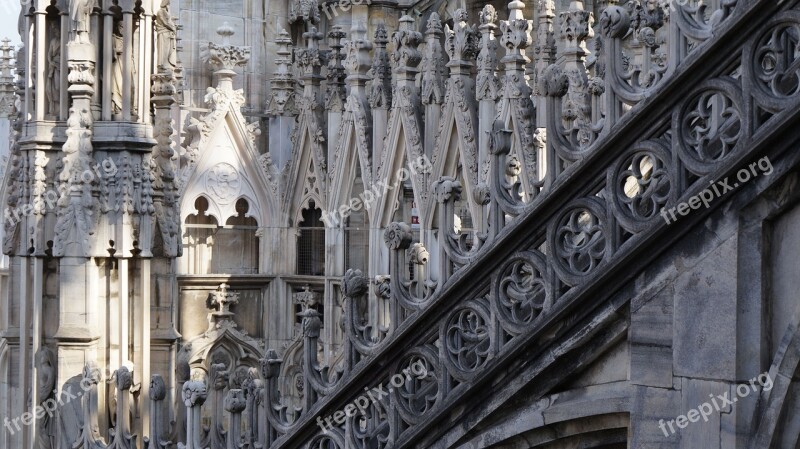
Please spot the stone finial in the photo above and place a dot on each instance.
(406, 55)
(310, 59)
(462, 41)
(306, 299)
(354, 284)
(544, 49)
(335, 93)
(222, 300)
(381, 92)
(194, 394)
(282, 83)
(516, 34)
(7, 86)
(487, 84)
(357, 60)
(225, 57)
(304, 11)
(447, 189)
(433, 64)
(576, 25)
(545, 41)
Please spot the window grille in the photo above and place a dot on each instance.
(311, 243)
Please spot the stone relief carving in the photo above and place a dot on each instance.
(305, 11)
(223, 182)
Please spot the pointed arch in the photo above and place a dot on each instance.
(307, 176)
(352, 155)
(227, 166)
(403, 145)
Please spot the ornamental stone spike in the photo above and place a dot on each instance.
(406, 55)
(281, 100)
(516, 36)
(335, 94)
(357, 61)
(433, 65)
(310, 59)
(488, 86)
(462, 42)
(381, 91)
(576, 26)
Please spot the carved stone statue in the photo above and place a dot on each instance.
(166, 30)
(79, 11)
(116, 75)
(53, 85)
(46, 382)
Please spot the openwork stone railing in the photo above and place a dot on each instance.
(674, 96)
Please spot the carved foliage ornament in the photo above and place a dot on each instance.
(462, 42)
(225, 57)
(406, 42)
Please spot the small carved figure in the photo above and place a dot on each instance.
(79, 11)
(53, 86)
(166, 30)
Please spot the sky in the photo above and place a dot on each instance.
(9, 14)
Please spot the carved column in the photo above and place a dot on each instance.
(40, 36)
(310, 61)
(127, 60)
(80, 307)
(235, 404)
(194, 396)
(312, 325)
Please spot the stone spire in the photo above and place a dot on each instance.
(576, 27)
(310, 61)
(335, 93)
(281, 100)
(433, 64)
(381, 92)
(461, 43)
(488, 86)
(406, 55)
(7, 86)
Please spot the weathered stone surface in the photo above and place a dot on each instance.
(247, 238)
